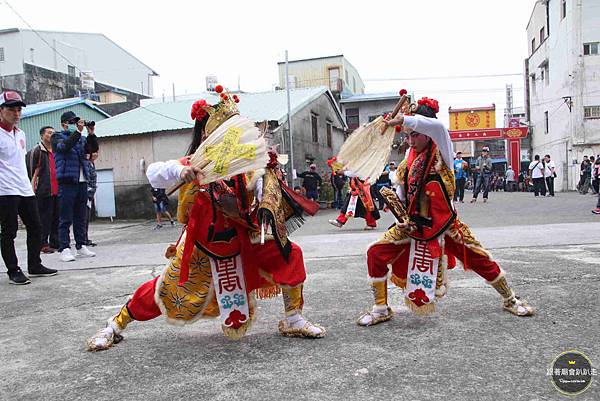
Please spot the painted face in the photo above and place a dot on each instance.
(417, 141)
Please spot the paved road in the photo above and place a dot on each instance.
(470, 349)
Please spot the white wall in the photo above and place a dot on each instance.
(13, 54)
(109, 63)
(571, 74)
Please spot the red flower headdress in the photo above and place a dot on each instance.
(199, 109)
(431, 103)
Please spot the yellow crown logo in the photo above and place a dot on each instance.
(571, 362)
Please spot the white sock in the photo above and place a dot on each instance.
(297, 321)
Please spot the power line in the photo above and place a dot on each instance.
(41, 37)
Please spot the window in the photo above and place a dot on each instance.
(563, 9)
(546, 74)
(545, 122)
(329, 138)
(353, 85)
(542, 35)
(543, 74)
(352, 119)
(532, 45)
(346, 71)
(315, 132)
(71, 70)
(334, 76)
(1, 54)
(591, 112)
(590, 48)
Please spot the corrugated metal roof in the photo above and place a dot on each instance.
(260, 106)
(46, 107)
(366, 97)
(31, 125)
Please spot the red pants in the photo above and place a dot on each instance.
(381, 254)
(371, 222)
(142, 305)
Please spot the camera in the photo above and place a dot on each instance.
(89, 123)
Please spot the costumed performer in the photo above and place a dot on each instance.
(220, 263)
(427, 236)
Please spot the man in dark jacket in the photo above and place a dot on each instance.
(42, 173)
(72, 173)
(338, 181)
(312, 182)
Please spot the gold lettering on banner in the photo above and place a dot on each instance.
(229, 149)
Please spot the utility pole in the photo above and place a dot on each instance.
(289, 121)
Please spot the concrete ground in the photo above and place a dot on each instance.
(470, 349)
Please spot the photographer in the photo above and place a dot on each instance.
(483, 166)
(73, 173)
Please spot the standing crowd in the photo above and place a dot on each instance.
(50, 188)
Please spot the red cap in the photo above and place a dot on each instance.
(11, 99)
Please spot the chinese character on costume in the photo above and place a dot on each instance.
(234, 247)
(427, 237)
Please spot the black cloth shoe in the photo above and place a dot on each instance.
(42, 271)
(17, 277)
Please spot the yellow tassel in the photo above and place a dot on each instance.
(426, 309)
(268, 292)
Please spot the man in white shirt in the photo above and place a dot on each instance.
(16, 195)
(536, 171)
(549, 174)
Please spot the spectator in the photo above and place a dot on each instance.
(483, 166)
(536, 170)
(161, 205)
(382, 182)
(549, 174)
(91, 193)
(311, 182)
(16, 195)
(596, 176)
(510, 180)
(73, 174)
(298, 189)
(42, 173)
(585, 171)
(338, 181)
(460, 175)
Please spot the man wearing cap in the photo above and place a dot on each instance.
(72, 172)
(16, 195)
(312, 181)
(483, 166)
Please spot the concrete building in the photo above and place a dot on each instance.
(335, 72)
(563, 84)
(362, 109)
(50, 65)
(162, 131)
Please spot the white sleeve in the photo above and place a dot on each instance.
(164, 174)
(258, 190)
(429, 126)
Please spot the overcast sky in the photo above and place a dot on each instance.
(186, 40)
